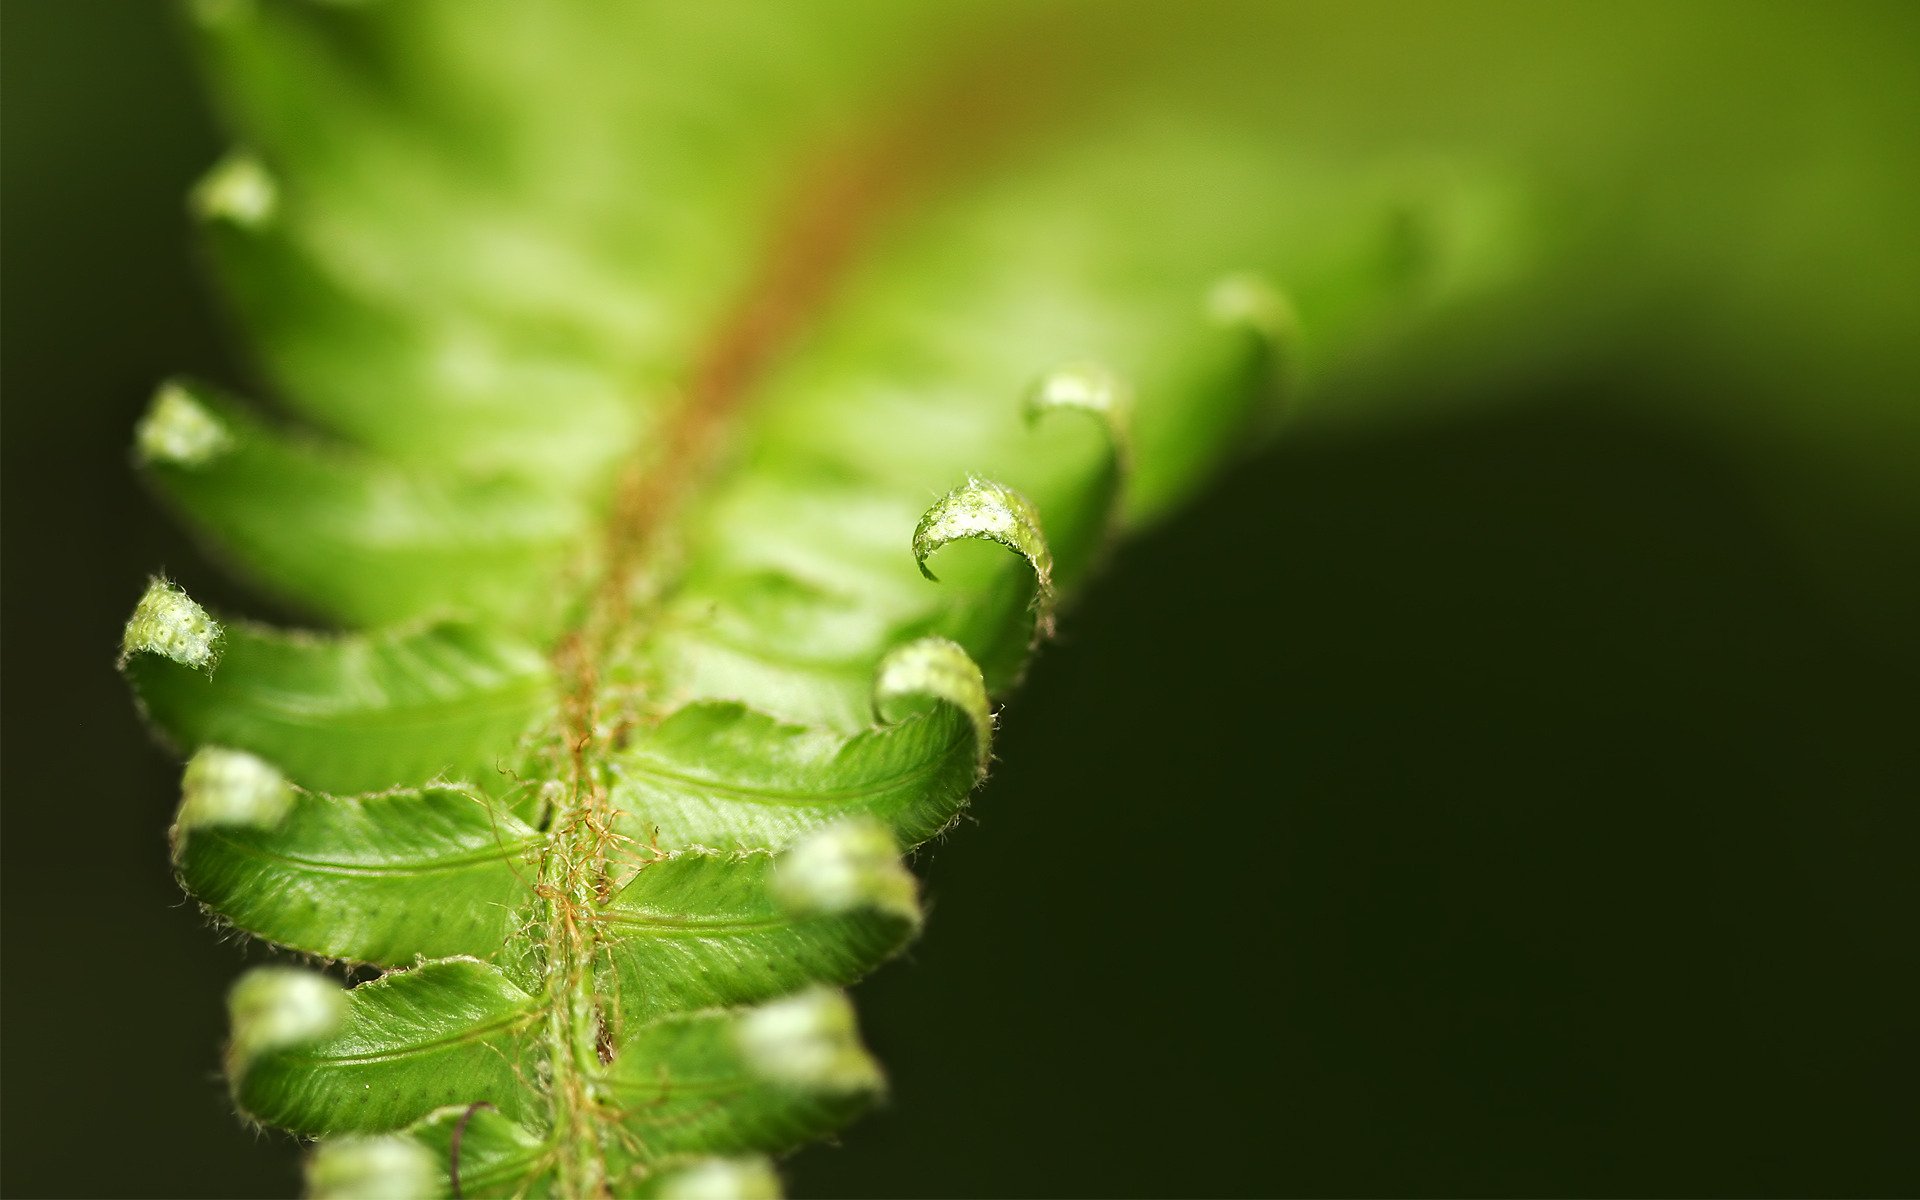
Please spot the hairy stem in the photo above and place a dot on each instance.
(832, 214)
(572, 873)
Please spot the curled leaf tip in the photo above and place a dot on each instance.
(1249, 300)
(933, 668)
(1083, 387)
(238, 190)
(179, 430)
(372, 1168)
(847, 866)
(721, 1179)
(167, 622)
(271, 1007)
(993, 512)
(231, 787)
(809, 1041)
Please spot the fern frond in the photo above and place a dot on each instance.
(680, 522)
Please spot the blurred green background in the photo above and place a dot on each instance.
(1561, 754)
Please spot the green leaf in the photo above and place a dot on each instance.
(359, 539)
(703, 929)
(762, 1079)
(386, 1054)
(495, 1155)
(695, 418)
(722, 774)
(386, 878)
(337, 713)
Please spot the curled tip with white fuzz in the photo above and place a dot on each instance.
(231, 787)
(847, 866)
(372, 1168)
(721, 1179)
(179, 430)
(809, 1041)
(993, 512)
(1085, 388)
(935, 669)
(168, 623)
(1248, 300)
(271, 1007)
(238, 190)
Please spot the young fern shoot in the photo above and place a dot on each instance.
(678, 488)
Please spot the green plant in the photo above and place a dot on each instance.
(632, 412)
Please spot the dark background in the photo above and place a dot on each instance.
(1500, 806)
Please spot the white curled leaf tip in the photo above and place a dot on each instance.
(238, 190)
(993, 512)
(232, 787)
(845, 867)
(934, 668)
(271, 1007)
(167, 622)
(1088, 388)
(1247, 300)
(372, 1168)
(179, 430)
(809, 1041)
(721, 1179)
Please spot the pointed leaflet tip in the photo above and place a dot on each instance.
(271, 1007)
(721, 1179)
(808, 1041)
(238, 190)
(372, 1168)
(232, 787)
(847, 866)
(933, 668)
(167, 622)
(179, 430)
